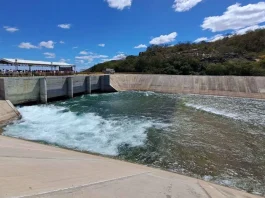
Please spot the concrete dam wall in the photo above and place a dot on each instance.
(21, 90)
(234, 86)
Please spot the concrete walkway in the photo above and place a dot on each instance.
(33, 170)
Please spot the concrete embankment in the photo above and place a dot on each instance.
(33, 170)
(7, 112)
(234, 86)
(40, 89)
(21, 90)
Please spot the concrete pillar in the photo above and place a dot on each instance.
(43, 91)
(88, 84)
(3, 89)
(102, 83)
(105, 83)
(70, 86)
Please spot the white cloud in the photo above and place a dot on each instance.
(216, 38)
(140, 46)
(26, 45)
(80, 61)
(49, 55)
(62, 60)
(247, 29)
(119, 4)
(105, 60)
(90, 58)
(101, 45)
(236, 17)
(48, 44)
(120, 56)
(64, 26)
(62, 42)
(83, 52)
(11, 29)
(198, 40)
(184, 5)
(75, 47)
(211, 39)
(237, 32)
(163, 39)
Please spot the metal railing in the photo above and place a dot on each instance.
(35, 73)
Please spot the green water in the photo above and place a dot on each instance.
(218, 139)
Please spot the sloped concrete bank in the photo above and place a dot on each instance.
(233, 86)
(7, 112)
(33, 170)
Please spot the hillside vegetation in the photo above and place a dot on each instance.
(241, 55)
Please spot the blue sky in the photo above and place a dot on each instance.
(71, 30)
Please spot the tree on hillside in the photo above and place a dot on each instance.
(233, 55)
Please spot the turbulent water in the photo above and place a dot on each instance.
(218, 139)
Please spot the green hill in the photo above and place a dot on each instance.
(233, 55)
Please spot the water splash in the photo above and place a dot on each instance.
(220, 137)
(85, 132)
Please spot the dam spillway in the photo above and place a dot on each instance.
(232, 86)
(218, 139)
(21, 90)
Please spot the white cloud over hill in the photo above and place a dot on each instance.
(236, 17)
(90, 57)
(164, 39)
(140, 46)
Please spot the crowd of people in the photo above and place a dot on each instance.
(16, 73)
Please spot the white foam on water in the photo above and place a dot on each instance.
(148, 93)
(86, 132)
(213, 110)
(248, 110)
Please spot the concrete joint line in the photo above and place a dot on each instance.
(15, 110)
(85, 185)
(49, 158)
(204, 190)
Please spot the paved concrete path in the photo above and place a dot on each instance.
(33, 170)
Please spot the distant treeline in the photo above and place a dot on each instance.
(241, 55)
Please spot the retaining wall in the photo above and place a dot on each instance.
(39, 89)
(234, 86)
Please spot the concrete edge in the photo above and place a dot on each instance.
(6, 121)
